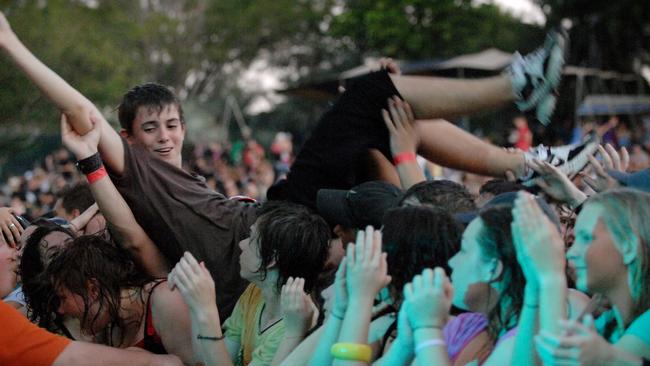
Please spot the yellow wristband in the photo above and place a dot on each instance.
(352, 352)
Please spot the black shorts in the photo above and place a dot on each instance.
(330, 158)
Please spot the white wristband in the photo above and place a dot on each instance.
(430, 343)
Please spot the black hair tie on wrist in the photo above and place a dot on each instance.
(90, 164)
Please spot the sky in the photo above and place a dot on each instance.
(529, 11)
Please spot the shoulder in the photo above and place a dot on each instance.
(164, 301)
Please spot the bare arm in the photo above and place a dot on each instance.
(366, 275)
(113, 206)
(172, 321)
(196, 285)
(81, 354)
(73, 104)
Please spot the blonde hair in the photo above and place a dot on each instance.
(626, 215)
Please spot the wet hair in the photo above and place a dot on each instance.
(149, 95)
(37, 287)
(295, 238)
(496, 187)
(91, 259)
(77, 197)
(495, 241)
(628, 214)
(451, 196)
(432, 238)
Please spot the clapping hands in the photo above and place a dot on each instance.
(297, 308)
(428, 299)
(366, 267)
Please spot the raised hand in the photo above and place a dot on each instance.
(612, 160)
(556, 184)
(82, 146)
(400, 120)
(388, 64)
(297, 308)
(428, 299)
(10, 227)
(538, 243)
(340, 303)
(194, 282)
(367, 271)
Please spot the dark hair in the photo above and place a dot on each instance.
(432, 238)
(499, 186)
(295, 238)
(150, 95)
(111, 268)
(77, 197)
(37, 288)
(495, 241)
(451, 196)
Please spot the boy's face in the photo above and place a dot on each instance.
(161, 132)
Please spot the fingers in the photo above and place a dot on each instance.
(607, 160)
(614, 156)
(389, 122)
(194, 266)
(625, 159)
(340, 272)
(598, 168)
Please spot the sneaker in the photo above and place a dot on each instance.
(537, 74)
(545, 109)
(570, 159)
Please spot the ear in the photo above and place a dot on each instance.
(92, 286)
(125, 135)
(339, 230)
(75, 213)
(629, 249)
(494, 268)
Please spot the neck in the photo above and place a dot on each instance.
(621, 298)
(131, 312)
(272, 308)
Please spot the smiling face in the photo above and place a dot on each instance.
(598, 264)
(160, 131)
(471, 273)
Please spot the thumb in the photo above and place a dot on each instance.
(588, 322)
(65, 126)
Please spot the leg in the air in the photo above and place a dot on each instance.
(432, 97)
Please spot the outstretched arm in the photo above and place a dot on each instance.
(113, 206)
(73, 104)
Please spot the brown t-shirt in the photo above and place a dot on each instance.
(180, 213)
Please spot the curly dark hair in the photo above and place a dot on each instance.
(37, 287)
(111, 268)
(495, 241)
(296, 238)
(449, 195)
(415, 238)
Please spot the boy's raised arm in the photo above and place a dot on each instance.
(76, 107)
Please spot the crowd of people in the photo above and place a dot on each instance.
(345, 254)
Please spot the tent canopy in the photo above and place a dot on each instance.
(609, 104)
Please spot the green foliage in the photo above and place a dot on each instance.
(411, 29)
(201, 47)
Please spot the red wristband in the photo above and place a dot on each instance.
(404, 157)
(96, 175)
